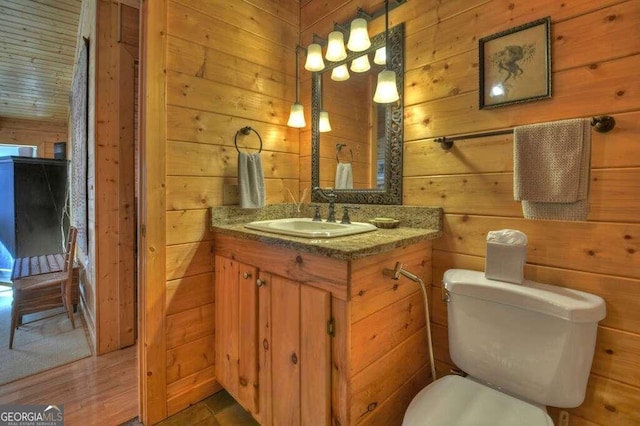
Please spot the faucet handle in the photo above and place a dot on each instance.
(345, 213)
(316, 215)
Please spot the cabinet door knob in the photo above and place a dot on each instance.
(246, 275)
(260, 282)
(294, 358)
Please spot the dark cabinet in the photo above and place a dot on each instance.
(32, 207)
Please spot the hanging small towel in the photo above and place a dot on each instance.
(552, 162)
(344, 176)
(251, 181)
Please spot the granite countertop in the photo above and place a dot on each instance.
(416, 224)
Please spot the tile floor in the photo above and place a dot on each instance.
(219, 409)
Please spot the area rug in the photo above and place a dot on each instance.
(46, 340)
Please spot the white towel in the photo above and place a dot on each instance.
(251, 181)
(552, 162)
(344, 176)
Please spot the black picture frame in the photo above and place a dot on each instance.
(515, 65)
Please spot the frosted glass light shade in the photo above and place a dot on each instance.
(380, 57)
(360, 64)
(314, 58)
(296, 116)
(335, 48)
(358, 36)
(386, 90)
(324, 125)
(340, 73)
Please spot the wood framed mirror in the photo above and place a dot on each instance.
(367, 134)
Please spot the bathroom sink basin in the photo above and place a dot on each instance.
(307, 228)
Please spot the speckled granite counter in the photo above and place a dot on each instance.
(416, 224)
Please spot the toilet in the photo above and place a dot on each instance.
(523, 347)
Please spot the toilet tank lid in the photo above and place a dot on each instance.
(561, 302)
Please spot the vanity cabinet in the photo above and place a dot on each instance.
(236, 337)
(272, 344)
(294, 354)
(303, 338)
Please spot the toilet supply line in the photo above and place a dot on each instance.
(395, 274)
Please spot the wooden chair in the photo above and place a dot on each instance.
(41, 292)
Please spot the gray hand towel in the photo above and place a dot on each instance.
(251, 181)
(552, 162)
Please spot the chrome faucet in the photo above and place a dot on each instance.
(330, 196)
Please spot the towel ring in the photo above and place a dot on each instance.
(245, 131)
(339, 148)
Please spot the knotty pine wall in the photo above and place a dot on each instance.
(42, 134)
(229, 65)
(596, 55)
(595, 51)
(108, 277)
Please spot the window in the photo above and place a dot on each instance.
(18, 150)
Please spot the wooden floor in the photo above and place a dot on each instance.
(94, 391)
(103, 391)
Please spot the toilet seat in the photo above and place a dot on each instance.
(459, 401)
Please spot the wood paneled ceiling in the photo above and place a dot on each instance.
(37, 52)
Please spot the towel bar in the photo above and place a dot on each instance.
(600, 124)
(245, 131)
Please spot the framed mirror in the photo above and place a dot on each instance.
(366, 137)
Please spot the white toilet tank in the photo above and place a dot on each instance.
(533, 341)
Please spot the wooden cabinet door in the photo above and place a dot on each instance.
(285, 351)
(236, 331)
(315, 355)
(295, 353)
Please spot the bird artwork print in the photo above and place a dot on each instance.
(511, 61)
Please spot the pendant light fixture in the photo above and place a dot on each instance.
(387, 89)
(340, 73)
(323, 124)
(380, 57)
(360, 64)
(358, 36)
(335, 47)
(314, 58)
(296, 115)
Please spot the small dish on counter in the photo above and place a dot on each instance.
(385, 222)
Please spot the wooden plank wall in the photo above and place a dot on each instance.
(596, 54)
(152, 370)
(107, 279)
(229, 65)
(28, 132)
(388, 358)
(112, 191)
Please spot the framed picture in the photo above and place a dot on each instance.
(515, 65)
